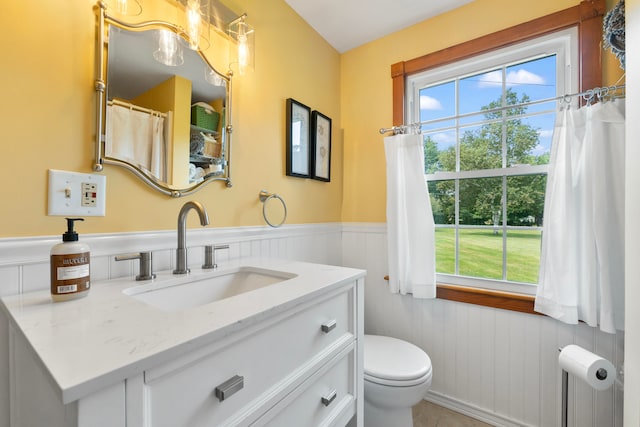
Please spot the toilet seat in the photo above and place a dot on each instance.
(393, 362)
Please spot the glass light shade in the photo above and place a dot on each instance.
(169, 50)
(197, 23)
(213, 78)
(244, 35)
(125, 7)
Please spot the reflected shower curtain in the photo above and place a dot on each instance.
(410, 226)
(582, 257)
(136, 137)
(158, 150)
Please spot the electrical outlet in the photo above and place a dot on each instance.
(89, 194)
(73, 193)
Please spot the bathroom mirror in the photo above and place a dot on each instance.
(164, 112)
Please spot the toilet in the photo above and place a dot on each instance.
(397, 375)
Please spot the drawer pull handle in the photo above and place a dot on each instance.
(328, 327)
(326, 400)
(229, 387)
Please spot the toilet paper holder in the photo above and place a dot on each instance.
(601, 374)
(565, 396)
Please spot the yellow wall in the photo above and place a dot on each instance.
(174, 94)
(366, 88)
(48, 111)
(47, 117)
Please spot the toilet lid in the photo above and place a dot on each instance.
(387, 360)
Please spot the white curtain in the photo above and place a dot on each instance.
(410, 227)
(158, 151)
(582, 258)
(136, 137)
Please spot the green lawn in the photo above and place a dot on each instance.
(481, 253)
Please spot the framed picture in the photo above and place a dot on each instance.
(298, 139)
(321, 153)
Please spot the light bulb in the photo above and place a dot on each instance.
(193, 23)
(244, 34)
(243, 47)
(243, 51)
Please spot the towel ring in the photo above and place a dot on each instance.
(265, 196)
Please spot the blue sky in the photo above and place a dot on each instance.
(536, 78)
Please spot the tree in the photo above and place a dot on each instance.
(480, 199)
(431, 153)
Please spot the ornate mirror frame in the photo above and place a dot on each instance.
(104, 19)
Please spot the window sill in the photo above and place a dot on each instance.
(486, 297)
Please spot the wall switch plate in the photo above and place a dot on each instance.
(73, 193)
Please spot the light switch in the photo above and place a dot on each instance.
(73, 193)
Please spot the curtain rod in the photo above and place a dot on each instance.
(136, 107)
(588, 95)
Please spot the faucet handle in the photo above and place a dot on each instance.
(210, 255)
(146, 264)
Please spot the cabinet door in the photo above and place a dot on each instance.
(272, 360)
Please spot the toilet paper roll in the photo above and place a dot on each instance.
(596, 371)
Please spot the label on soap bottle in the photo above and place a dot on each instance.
(69, 273)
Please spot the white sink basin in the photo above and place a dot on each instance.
(183, 292)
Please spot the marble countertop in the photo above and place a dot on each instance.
(90, 343)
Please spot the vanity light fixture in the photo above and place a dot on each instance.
(169, 50)
(244, 35)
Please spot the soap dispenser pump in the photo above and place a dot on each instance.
(70, 275)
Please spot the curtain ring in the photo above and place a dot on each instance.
(265, 196)
(588, 97)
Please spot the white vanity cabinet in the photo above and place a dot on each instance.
(273, 359)
(35, 397)
(300, 366)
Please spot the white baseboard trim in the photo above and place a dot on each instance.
(472, 411)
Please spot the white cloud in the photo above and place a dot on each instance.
(523, 77)
(539, 150)
(518, 77)
(429, 103)
(444, 139)
(493, 78)
(545, 133)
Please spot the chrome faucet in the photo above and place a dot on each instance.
(181, 251)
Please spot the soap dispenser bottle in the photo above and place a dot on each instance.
(69, 266)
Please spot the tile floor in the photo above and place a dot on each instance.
(427, 414)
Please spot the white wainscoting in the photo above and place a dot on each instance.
(24, 262)
(496, 365)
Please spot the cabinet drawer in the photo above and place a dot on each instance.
(183, 393)
(326, 399)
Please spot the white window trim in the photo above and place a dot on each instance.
(564, 44)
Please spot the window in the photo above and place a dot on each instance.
(586, 17)
(487, 124)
